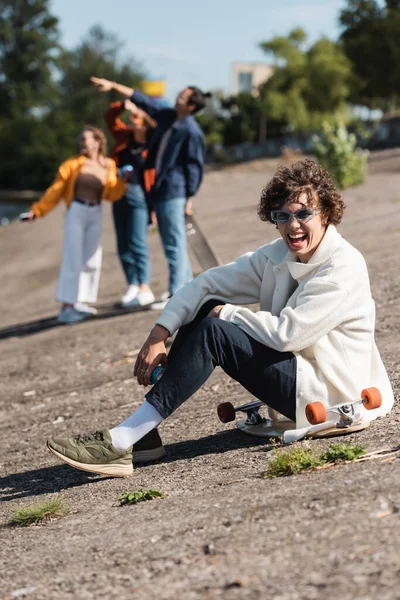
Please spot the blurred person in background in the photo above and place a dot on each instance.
(131, 213)
(173, 170)
(83, 182)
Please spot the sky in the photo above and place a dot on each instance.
(195, 43)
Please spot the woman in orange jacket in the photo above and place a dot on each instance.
(82, 181)
(131, 212)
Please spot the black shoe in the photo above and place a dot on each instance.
(149, 449)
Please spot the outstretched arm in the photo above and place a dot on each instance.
(146, 103)
(53, 194)
(105, 85)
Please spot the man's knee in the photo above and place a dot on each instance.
(212, 327)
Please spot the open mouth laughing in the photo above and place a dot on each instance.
(297, 240)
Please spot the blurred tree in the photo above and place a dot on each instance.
(212, 121)
(308, 86)
(243, 124)
(40, 130)
(28, 50)
(370, 36)
(98, 54)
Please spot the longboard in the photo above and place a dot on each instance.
(200, 244)
(288, 432)
(346, 418)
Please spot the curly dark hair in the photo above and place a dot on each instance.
(304, 176)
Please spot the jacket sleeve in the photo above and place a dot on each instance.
(194, 164)
(115, 187)
(148, 104)
(238, 282)
(114, 124)
(54, 193)
(319, 310)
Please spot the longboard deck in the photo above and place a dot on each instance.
(200, 244)
(105, 311)
(276, 429)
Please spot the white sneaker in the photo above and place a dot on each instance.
(163, 301)
(85, 308)
(130, 294)
(71, 315)
(142, 299)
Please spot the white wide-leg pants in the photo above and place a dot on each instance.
(79, 276)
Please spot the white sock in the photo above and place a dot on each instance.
(130, 431)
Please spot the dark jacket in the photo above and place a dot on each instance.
(182, 165)
(126, 150)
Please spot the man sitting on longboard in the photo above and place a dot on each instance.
(311, 340)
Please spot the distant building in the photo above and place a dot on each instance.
(246, 77)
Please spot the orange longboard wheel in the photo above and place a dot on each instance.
(316, 413)
(226, 412)
(371, 398)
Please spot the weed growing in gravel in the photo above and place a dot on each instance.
(139, 496)
(291, 461)
(342, 451)
(299, 458)
(38, 513)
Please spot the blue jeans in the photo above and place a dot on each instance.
(171, 224)
(130, 221)
(208, 342)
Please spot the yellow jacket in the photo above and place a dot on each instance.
(64, 186)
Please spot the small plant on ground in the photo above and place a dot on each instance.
(299, 458)
(291, 461)
(38, 513)
(139, 496)
(341, 451)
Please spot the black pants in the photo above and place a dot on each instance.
(206, 343)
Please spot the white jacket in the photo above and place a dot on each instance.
(322, 311)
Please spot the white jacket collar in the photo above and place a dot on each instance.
(279, 254)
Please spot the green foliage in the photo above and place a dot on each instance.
(299, 458)
(291, 461)
(38, 513)
(243, 124)
(98, 54)
(45, 93)
(341, 451)
(335, 149)
(370, 38)
(308, 86)
(212, 120)
(28, 51)
(139, 496)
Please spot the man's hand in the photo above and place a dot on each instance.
(152, 354)
(153, 217)
(103, 85)
(215, 311)
(189, 207)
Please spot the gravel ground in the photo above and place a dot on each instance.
(222, 531)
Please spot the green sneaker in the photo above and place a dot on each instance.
(94, 453)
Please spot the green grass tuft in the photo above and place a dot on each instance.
(299, 458)
(139, 496)
(340, 451)
(291, 461)
(38, 513)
